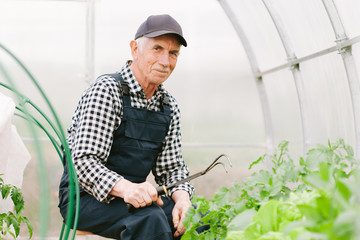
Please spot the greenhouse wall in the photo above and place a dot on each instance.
(255, 73)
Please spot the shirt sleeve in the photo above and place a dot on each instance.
(170, 166)
(92, 138)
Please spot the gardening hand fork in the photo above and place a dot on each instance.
(161, 190)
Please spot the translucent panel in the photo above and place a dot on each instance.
(329, 99)
(49, 37)
(212, 81)
(307, 24)
(210, 37)
(258, 27)
(285, 111)
(356, 54)
(349, 14)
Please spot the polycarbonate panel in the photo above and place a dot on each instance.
(349, 13)
(258, 27)
(212, 81)
(356, 53)
(284, 106)
(49, 37)
(355, 50)
(307, 25)
(329, 99)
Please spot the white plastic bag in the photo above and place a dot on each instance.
(13, 154)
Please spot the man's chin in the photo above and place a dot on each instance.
(159, 79)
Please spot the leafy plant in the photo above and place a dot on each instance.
(314, 198)
(10, 222)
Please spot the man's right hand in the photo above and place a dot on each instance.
(137, 194)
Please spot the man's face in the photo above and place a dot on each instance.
(156, 59)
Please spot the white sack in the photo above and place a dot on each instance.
(13, 153)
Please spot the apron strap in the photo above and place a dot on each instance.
(165, 101)
(124, 86)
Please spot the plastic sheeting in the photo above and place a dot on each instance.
(305, 54)
(13, 153)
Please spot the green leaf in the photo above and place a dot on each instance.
(310, 212)
(15, 224)
(29, 226)
(235, 235)
(18, 199)
(275, 188)
(315, 156)
(10, 222)
(261, 178)
(296, 227)
(274, 236)
(266, 217)
(344, 188)
(315, 180)
(193, 215)
(256, 161)
(5, 190)
(324, 207)
(223, 195)
(345, 223)
(324, 171)
(312, 235)
(242, 220)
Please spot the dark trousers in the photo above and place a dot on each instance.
(114, 221)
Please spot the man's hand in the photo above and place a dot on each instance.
(182, 204)
(137, 194)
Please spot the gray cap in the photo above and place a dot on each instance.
(157, 25)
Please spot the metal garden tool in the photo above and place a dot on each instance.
(161, 190)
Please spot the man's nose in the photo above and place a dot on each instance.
(164, 60)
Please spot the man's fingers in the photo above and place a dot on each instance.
(133, 202)
(176, 218)
(180, 230)
(159, 201)
(179, 215)
(143, 203)
(151, 190)
(146, 200)
(142, 195)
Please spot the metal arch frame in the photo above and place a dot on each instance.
(343, 46)
(258, 78)
(90, 42)
(349, 63)
(338, 47)
(295, 70)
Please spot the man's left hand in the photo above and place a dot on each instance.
(182, 204)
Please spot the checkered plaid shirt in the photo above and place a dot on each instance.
(98, 115)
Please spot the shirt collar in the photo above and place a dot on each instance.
(134, 86)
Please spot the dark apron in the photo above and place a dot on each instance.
(136, 145)
(138, 140)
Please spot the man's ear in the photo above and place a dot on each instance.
(134, 48)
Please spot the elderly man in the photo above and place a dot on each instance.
(126, 125)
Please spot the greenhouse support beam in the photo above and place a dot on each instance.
(186, 144)
(64, 0)
(338, 47)
(299, 84)
(255, 69)
(349, 63)
(90, 42)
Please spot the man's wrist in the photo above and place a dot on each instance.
(180, 195)
(118, 188)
